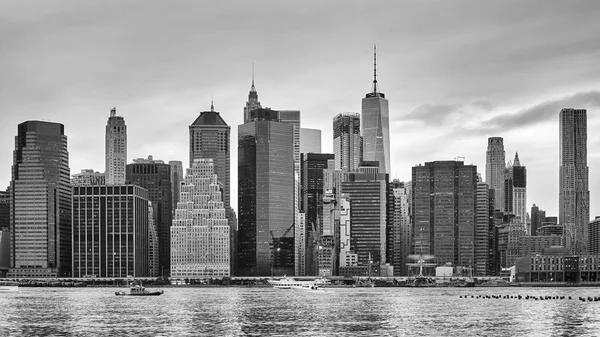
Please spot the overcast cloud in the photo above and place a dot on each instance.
(455, 73)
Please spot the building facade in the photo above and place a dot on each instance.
(155, 176)
(310, 140)
(375, 126)
(347, 142)
(494, 169)
(88, 177)
(399, 232)
(115, 149)
(594, 236)
(538, 217)
(209, 138)
(484, 230)
(312, 191)
(266, 195)
(110, 231)
(519, 190)
(555, 265)
(153, 248)
(41, 202)
(368, 217)
(200, 234)
(444, 194)
(574, 194)
(176, 179)
(5, 210)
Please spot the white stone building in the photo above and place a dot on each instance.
(200, 232)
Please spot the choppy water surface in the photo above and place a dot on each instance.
(266, 311)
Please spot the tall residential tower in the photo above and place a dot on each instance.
(574, 194)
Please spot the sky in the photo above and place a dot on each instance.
(454, 72)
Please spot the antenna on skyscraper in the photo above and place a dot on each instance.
(212, 106)
(252, 74)
(374, 68)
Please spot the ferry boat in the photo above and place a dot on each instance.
(291, 283)
(138, 290)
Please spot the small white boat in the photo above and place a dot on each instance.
(6, 289)
(138, 290)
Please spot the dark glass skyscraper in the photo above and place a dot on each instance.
(444, 194)
(41, 208)
(155, 176)
(368, 218)
(266, 195)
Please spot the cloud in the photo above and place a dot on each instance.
(539, 113)
(445, 114)
(433, 114)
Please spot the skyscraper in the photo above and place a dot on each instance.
(444, 194)
(312, 184)
(347, 142)
(4, 210)
(368, 219)
(115, 149)
(399, 231)
(176, 179)
(494, 169)
(252, 102)
(209, 138)
(376, 126)
(484, 231)
(200, 232)
(574, 196)
(266, 195)
(110, 231)
(41, 208)
(310, 140)
(519, 190)
(155, 176)
(538, 217)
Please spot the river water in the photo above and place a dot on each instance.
(231, 311)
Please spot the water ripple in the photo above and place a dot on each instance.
(272, 312)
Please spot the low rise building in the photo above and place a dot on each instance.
(556, 265)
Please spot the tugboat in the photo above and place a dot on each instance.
(139, 290)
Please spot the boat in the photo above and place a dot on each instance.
(139, 290)
(307, 286)
(291, 283)
(8, 288)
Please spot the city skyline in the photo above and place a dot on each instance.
(506, 73)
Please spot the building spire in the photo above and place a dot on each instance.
(374, 68)
(212, 106)
(516, 162)
(253, 76)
